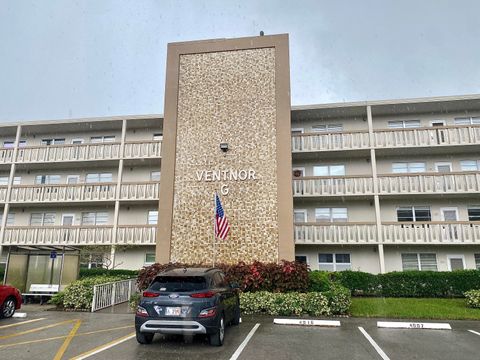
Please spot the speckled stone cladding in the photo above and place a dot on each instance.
(226, 97)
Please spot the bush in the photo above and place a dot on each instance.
(319, 281)
(99, 271)
(339, 299)
(79, 294)
(294, 303)
(473, 298)
(134, 301)
(283, 277)
(410, 283)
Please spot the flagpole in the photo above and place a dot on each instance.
(214, 227)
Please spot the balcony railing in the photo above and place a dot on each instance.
(434, 183)
(77, 152)
(330, 141)
(80, 235)
(139, 191)
(433, 136)
(142, 149)
(6, 155)
(3, 193)
(335, 233)
(333, 186)
(457, 232)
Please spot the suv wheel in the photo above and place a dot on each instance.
(236, 315)
(7, 309)
(217, 338)
(144, 338)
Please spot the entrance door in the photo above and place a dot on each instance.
(440, 134)
(450, 215)
(297, 141)
(68, 219)
(456, 262)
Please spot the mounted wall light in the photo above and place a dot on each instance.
(224, 147)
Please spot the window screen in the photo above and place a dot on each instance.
(474, 213)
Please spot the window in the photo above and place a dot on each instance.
(57, 141)
(4, 180)
(456, 262)
(408, 167)
(334, 262)
(474, 213)
(158, 136)
(77, 141)
(102, 139)
(47, 179)
(149, 258)
(301, 259)
(297, 131)
(404, 124)
(42, 219)
(477, 261)
(10, 218)
(331, 215)
(470, 165)
(414, 213)
(155, 176)
(98, 177)
(95, 218)
(468, 121)
(327, 128)
(422, 262)
(152, 217)
(11, 143)
(299, 215)
(329, 170)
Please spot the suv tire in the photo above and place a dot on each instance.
(217, 338)
(144, 338)
(236, 315)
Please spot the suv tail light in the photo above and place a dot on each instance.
(206, 313)
(203, 295)
(150, 294)
(141, 311)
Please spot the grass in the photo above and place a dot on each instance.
(411, 308)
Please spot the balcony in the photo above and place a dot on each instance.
(142, 149)
(430, 183)
(3, 193)
(6, 155)
(61, 153)
(82, 192)
(335, 233)
(428, 137)
(458, 232)
(309, 142)
(80, 235)
(333, 186)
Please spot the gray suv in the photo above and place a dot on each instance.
(187, 302)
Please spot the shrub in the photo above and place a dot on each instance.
(79, 294)
(410, 283)
(99, 271)
(319, 281)
(473, 298)
(57, 299)
(286, 304)
(339, 299)
(134, 301)
(283, 277)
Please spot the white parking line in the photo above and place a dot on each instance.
(374, 344)
(20, 323)
(474, 332)
(239, 350)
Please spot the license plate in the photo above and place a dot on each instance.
(173, 311)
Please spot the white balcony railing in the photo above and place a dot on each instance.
(330, 141)
(55, 193)
(139, 191)
(335, 233)
(3, 193)
(434, 136)
(431, 233)
(79, 152)
(6, 155)
(80, 235)
(333, 186)
(434, 183)
(142, 149)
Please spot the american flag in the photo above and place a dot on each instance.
(221, 223)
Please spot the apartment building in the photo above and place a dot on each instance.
(90, 184)
(377, 186)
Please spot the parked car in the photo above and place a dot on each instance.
(10, 300)
(188, 301)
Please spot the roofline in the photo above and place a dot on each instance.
(86, 119)
(387, 102)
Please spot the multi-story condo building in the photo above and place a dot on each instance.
(377, 186)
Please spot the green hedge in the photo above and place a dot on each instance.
(336, 301)
(84, 273)
(473, 298)
(407, 283)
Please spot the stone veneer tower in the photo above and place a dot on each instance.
(234, 92)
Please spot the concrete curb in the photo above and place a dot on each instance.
(307, 322)
(413, 325)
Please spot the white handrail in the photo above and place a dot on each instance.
(113, 293)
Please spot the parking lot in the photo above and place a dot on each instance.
(62, 335)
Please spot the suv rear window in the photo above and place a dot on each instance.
(179, 283)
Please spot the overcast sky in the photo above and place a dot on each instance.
(68, 59)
